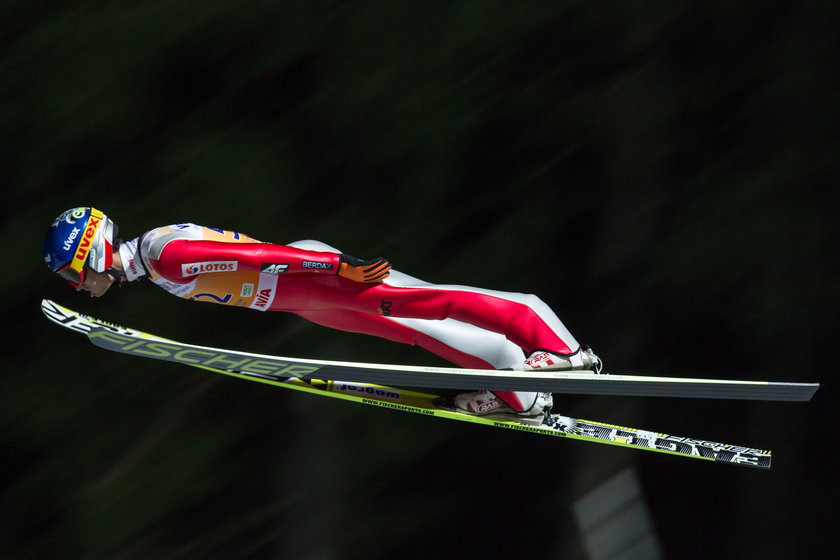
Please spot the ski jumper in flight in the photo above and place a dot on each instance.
(470, 327)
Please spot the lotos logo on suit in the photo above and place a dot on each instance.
(192, 269)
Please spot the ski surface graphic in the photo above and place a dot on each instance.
(413, 401)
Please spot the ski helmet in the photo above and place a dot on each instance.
(78, 237)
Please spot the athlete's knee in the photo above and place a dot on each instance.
(529, 305)
(532, 301)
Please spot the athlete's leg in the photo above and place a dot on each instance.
(473, 342)
(471, 347)
(522, 319)
(462, 343)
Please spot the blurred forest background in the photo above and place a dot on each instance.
(664, 175)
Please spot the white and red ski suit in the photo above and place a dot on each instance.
(471, 327)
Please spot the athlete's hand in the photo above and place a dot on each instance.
(369, 271)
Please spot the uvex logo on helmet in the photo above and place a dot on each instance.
(87, 238)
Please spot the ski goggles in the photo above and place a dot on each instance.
(74, 276)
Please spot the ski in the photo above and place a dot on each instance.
(424, 403)
(132, 342)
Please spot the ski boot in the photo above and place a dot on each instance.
(485, 403)
(582, 360)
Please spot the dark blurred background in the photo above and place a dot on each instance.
(662, 174)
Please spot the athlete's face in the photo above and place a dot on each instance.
(96, 283)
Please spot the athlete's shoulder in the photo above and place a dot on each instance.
(154, 241)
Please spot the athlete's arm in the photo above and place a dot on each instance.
(182, 259)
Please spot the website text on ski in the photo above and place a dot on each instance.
(485, 332)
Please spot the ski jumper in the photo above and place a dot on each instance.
(471, 327)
